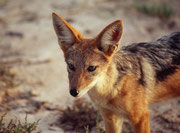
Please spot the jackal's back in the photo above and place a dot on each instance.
(163, 54)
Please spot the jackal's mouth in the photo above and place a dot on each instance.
(83, 92)
(79, 93)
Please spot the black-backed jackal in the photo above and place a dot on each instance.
(121, 83)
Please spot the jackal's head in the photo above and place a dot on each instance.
(87, 59)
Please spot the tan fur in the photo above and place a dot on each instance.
(170, 88)
(116, 96)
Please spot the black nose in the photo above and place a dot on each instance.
(74, 92)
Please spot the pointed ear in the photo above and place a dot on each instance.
(108, 39)
(67, 35)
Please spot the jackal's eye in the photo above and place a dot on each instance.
(91, 68)
(71, 67)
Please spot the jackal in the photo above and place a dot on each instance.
(121, 83)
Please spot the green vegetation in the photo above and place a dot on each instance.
(17, 127)
(98, 128)
(162, 10)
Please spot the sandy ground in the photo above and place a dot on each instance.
(27, 38)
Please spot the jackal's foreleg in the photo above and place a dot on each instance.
(113, 122)
(140, 123)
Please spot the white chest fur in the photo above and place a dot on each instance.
(102, 101)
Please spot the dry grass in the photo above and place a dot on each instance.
(6, 78)
(80, 117)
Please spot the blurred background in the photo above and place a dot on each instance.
(33, 76)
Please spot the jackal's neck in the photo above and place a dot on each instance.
(106, 82)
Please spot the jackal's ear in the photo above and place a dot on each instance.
(67, 35)
(108, 39)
